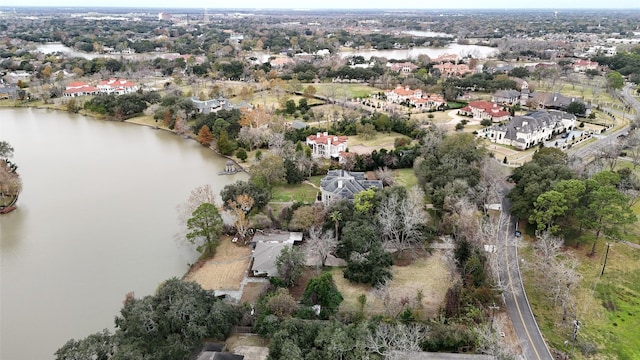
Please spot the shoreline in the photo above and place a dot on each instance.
(128, 121)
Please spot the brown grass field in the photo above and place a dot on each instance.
(428, 275)
(225, 270)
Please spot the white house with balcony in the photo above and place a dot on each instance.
(523, 132)
(327, 146)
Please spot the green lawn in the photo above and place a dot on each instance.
(298, 192)
(608, 307)
(381, 139)
(405, 177)
(345, 90)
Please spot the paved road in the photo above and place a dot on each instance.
(588, 150)
(515, 298)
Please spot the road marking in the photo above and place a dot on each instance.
(506, 240)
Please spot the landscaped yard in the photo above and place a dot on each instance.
(298, 192)
(405, 177)
(340, 91)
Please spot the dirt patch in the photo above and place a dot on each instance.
(298, 290)
(252, 346)
(225, 270)
(252, 291)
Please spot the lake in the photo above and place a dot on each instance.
(96, 219)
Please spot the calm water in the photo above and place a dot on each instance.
(476, 51)
(96, 219)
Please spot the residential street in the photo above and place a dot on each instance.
(515, 298)
(588, 150)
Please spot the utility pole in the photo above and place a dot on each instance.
(576, 327)
(606, 255)
(493, 310)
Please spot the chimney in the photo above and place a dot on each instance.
(339, 184)
(335, 138)
(329, 141)
(317, 135)
(326, 133)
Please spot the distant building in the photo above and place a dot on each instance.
(117, 87)
(453, 70)
(485, 110)
(327, 146)
(509, 97)
(209, 106)
(403, 68)
(584, 65)
(523, 132)
(414, 97)
(555, 101)
(446, 58)
(163, 16)
(80, 88)
(342, 184)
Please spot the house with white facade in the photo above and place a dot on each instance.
(523, 132)
(584, 65)
(117, 87)
(327, 146)
(342, 184)
(402, 68)
(414, 97)
(80, 88)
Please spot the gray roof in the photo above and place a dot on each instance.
(207, 105)
(277, 236)
(556, 100)
(298, 124)
(268, 247)
(214, 355)
(533, 122)
(346, 184)
(507, 94)
(264, 257)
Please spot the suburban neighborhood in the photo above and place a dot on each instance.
(455, 184)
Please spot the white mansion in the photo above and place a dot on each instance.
(523, 132)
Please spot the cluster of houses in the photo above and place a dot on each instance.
(415, 98)
(105, 87)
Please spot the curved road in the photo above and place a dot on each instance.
(514, 296)
(588, 150)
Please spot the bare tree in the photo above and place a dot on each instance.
(238, 210)
(490, 344)
(633, 146)
(321, 243)
(276, 143)
(252, 136)
(200, 195)
(386, 175)
(387, 339)
(401, 220)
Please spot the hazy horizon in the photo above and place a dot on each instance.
(342, 5)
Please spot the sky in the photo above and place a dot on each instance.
(339, 4)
